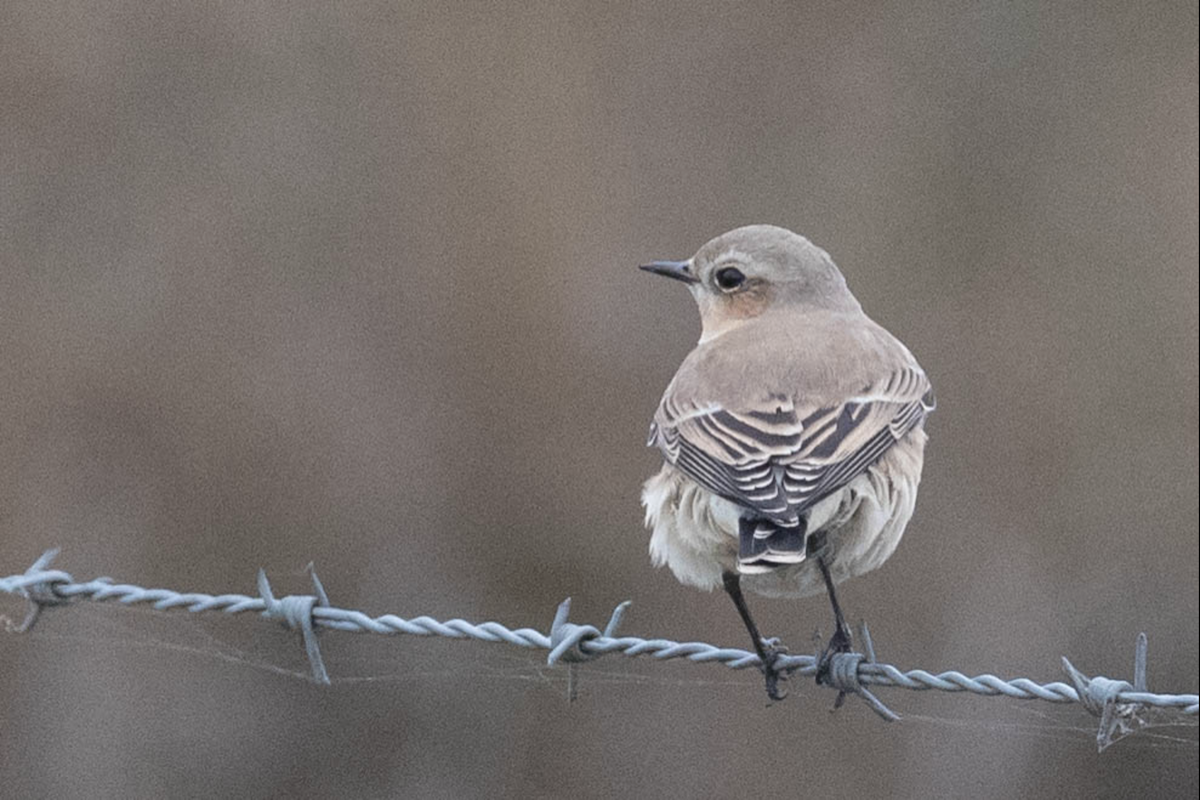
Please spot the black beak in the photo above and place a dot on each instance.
(679, 270)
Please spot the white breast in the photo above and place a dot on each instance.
(695, 533)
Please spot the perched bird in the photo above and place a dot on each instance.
(792, 435)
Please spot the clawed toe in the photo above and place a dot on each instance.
(840, 642)
(773, 651)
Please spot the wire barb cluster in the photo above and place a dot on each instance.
(1119, 705)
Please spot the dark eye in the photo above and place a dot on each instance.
(730, 278)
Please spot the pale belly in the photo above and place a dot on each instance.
(695, 533)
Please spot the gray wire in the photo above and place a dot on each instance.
(1116, 702)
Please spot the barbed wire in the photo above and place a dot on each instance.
(1121, 706)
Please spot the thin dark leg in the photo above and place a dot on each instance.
(841, 641)
(768, 654)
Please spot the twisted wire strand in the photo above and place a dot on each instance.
(569, 642)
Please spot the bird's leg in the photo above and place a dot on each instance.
(768, 651)
(841, 641)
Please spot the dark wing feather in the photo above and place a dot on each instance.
(780, 457)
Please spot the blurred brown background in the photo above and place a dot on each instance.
(354, 283)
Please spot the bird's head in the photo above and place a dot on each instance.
(756, 270)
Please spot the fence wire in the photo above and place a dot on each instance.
(1122, 707)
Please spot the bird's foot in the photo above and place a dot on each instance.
(772, 651)
(840, 642)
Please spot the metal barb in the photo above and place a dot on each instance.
(322, 598)
(843, 676)
(39, 594)
(614, 621)
(296, 611)
(1139, 662)
(567, 638)
(864, 633)
(1101, 697)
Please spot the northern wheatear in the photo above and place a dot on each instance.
(792, 434)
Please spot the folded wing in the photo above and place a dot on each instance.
(778, 455)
